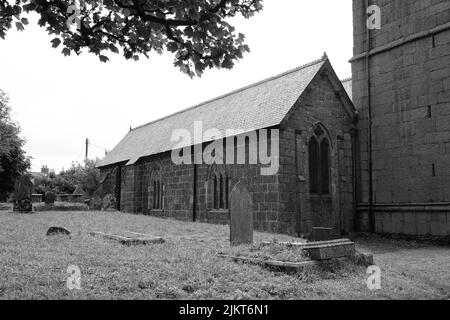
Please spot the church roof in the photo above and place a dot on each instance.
(347, 83)
(260, 105)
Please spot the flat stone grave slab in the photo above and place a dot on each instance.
(273, 264)
(137, 239)
(325, 250)
(200, 238)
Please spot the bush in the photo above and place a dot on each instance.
(86, 177)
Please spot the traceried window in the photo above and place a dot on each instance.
(319, 162)
(220, 191)
(158, 194)
(156, 190)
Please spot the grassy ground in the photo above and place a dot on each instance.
(34, 266)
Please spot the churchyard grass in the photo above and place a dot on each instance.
(187, 266)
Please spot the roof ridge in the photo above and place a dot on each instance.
(346, 79)
(304, 66)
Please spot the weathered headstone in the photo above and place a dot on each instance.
(50, 198)
(23, 193)
(109, 202)
(95, 203)
(58, 231)
(241, 216)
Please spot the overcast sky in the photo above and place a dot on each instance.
(60, 101)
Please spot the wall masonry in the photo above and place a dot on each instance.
(410, 98)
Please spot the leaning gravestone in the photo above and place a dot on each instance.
(241, 216)
(50, 198)
(23, 193)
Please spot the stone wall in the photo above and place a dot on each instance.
(409, 68)
(298, 208)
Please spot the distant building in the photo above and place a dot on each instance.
(45, 172)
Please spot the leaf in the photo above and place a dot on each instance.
(66, 52)
(55, 42)
(108, 3)
(113, 48)
(172, 46)
(24, 21)
(128, 54)
(19, 26)
(103, 58)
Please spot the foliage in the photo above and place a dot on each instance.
(196, 31)
(86, 176)
(13, 160)
(57, 184)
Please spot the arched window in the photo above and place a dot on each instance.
(220, 191)
(319, 162)
(157, 193)
(313, 150)
(325, 166)
(216, 205)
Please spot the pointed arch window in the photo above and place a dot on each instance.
(319, 162)
(157, 192)
(220, 191)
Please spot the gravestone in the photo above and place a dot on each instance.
(23, 193)
(109, 202)
(53, 231)
(50, 198)
(95, 203)
(241, 216)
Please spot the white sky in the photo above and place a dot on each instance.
(60, 101)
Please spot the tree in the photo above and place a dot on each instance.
(86, 176)
(196, 31)
(13, 160)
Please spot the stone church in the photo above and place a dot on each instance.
(371, 153)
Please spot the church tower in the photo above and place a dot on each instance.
(401, 88)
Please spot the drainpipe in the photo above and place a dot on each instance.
(369, 146)
(355, 182)
(194, 191)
